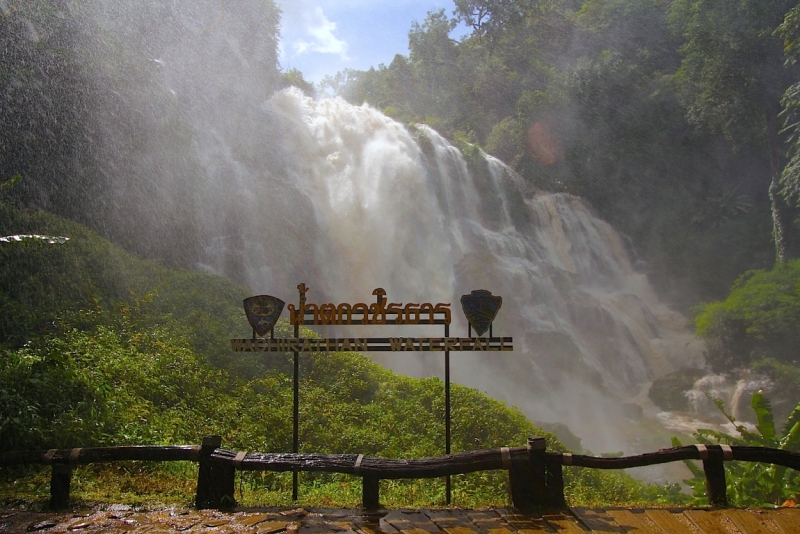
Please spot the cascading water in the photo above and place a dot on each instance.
(277, 189)
(362, 202)
(735, 393)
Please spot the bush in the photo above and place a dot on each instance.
(752, 483)
(759, 319)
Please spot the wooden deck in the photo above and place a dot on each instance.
(493, 521)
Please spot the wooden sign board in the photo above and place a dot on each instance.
(480, 307)
(374, 344)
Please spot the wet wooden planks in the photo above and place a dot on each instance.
(447, 521)
(689, 521)
(587, 520)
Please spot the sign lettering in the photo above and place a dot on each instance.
(480, 307)
(363, 314)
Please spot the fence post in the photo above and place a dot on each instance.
(370, 491)
(60, 477)
(60, 480)
(527, 482)
(554, 481)
(537, 447)
(215, 481)
(519, 485)
(715, 476)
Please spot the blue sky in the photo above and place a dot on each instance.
(321, 37)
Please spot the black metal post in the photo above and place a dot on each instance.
(296, 412)
(447, 408)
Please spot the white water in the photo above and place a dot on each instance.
(735, 393)
(361, 201)
(281, 189)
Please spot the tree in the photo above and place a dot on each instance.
(732, 78)
(488, 17)
(294, 78)
(433, 56)
(759, 319)
(789, 31)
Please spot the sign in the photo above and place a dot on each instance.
(480, 308)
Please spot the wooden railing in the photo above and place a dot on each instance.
(535, 475)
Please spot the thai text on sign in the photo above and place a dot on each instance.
(377, 313)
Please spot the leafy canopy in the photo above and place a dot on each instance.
(759, 319)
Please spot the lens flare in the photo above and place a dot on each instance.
(543, 143)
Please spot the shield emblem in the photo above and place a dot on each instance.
(263, 312)
(481, 308)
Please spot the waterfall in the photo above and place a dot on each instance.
(361, 201)
(273, 189)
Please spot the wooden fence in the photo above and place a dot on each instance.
(535, 475)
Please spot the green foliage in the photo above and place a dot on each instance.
(732, 70)
(89, 121)
(489, 18)
(6, 186)
(506, 140)
(114, 384)
(732, 79)
(752, 483)
(759, 319)
(109, 386)
(626, 92)
(789, 31)
(41, 286)
(294, 78)
(102, 348)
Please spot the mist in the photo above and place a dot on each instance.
(193, 151)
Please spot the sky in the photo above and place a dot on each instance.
(323, 37)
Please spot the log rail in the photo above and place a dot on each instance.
(535, 475)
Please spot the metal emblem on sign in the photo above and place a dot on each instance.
(481, 308)
(263, 312)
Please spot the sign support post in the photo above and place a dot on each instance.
(296, 412)
(447, 407)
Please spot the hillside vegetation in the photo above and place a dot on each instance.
(102, 348)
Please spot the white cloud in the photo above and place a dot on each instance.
(306, 29)
(323, 38)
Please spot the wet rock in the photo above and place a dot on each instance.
(669, 391)
(42, 525)
(632, 411)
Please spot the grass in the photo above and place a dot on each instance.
(150, 486)
(153, 486)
